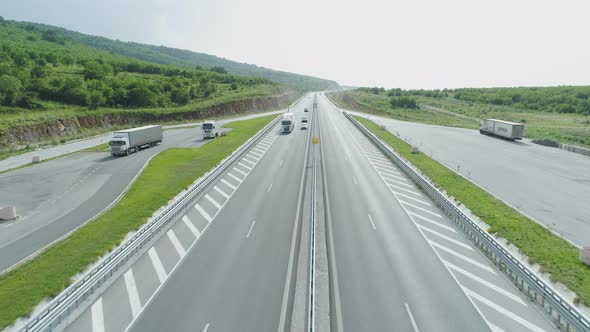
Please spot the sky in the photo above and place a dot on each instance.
(403, 44)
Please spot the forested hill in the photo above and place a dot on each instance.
(185, 58)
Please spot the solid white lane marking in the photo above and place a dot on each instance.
(210, 199)
(432, 231)
(354, 179)
(97, 316)
(412, 318)
(221, 192)
(372, 223)
(240, 171)
(191, 226)
(206, 327)
(203, 212)
(384, 174)
(245, 166)
(450, 229)
(465, 258)
(249, 161)
(179, 249)
(132, 293)
(494, 328)
(281, 163)
(396, 181)
(229, 184)
(386, 170)
(421, 209)
(503, 311)
(379, 158)
(383, 164)
(376, 154)
(486, 283)
(404, 189)
(410, 197)
(255, 158)
(235, 177)
(157, 263)
(269, 188)
(251, 227)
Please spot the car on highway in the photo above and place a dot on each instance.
(306, 110)
(304, 124)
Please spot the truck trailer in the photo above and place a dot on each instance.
(128, 141)
(504, 129)
(287, 123)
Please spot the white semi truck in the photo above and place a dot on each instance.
(287, 123)
(505, 129)
(128, 141)
(209, 129)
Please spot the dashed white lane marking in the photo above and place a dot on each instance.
(404, 189)
(389, 171)
(134, 301)
(249, 161)
(384, 164)
(229, 184)
(179, 249)
(240, 171)
(255, 158)
(97, 316)
(486, 283)
(463, 257)
(450, 229)
(203, 212)
(379, 157)
(372, 223)
(259, 150)
(256, 153)
(354, 179)
(214, 202)
(251, 227)
(421, 209)
(249, 168)
(281, 163)
(432, 231)
(503, 311)
(410, 197)
(412, 318)
(206, 327)
(191, 226)
(157, 263)
(384, 174)
(221, 192)
(387, 180)
(269, 187)
(264, 145)
(235, 177)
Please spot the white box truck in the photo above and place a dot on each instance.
(209, 129)
(287, 123)
(505, 129)
(128, 141)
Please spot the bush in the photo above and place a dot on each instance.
(403, 102)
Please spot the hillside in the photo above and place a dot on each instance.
(185, 58)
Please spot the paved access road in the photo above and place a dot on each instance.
(55, 197)
(550, 185)
(400, 265)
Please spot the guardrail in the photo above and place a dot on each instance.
(565, 315)
(77, 293)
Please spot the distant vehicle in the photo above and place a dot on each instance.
(287, 122)
(128, 141)
(209, 129)
(304, 123)
(505, 129)
(306, 110)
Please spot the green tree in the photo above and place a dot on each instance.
(234, 86)
(219, 69)
(94, 70)
(10, 88)
(38, 71)
(95, 99)
(50, 36)
(139, 95)
(403, 102)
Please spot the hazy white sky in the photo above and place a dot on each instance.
(407, 44)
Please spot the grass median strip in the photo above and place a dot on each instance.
(556, 256)
(167, 174)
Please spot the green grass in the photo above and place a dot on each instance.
(167, 174)
(104, 147)
(556, 256)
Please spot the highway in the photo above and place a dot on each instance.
(398, 263)
(55, 197)
(541, 182)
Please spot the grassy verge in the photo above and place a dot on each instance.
(167, 174)
(104, 147)
(555, 255)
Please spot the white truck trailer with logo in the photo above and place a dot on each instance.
(504, 129)
(209, 129)
(287, 123)
(132, 140)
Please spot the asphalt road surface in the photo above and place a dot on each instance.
(55, 197)
(550, 185)
(401, 265)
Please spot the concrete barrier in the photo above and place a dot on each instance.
(585, 255)
(574, 148)
(7, 213)
(36, 159)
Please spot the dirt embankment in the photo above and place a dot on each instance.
(64, 128)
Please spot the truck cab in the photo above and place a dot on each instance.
(120, 144)
(209, 129)
(287, 123)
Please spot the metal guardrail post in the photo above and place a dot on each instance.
(565, 315)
